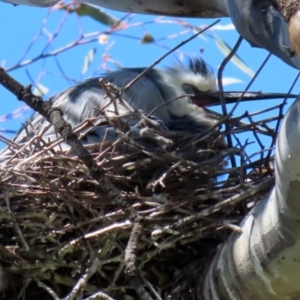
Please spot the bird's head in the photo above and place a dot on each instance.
(188, 78)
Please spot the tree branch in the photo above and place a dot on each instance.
(55, 117)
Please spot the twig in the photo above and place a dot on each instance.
(149, 285)
(93, 235)
(131, 270)
(281, 115)
(47, 288)
(223, 103)
(55, 117)
(16, 225)
(131, 250)
(160, 180)
(82, 282)
(99, 296)
(250, 83)
(266, 184)
(168, 53)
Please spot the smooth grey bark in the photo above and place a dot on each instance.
(263, 262)
(188, 8)
(258, 21)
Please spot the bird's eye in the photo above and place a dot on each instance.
(189, 89)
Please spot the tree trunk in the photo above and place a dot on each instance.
(181, 8)
(263, 262)
(259, 22)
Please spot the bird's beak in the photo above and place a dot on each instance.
(205, 99)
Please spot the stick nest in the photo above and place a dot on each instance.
(63, 238)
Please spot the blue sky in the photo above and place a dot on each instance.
(19, 25)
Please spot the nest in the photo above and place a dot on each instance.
(63, 238)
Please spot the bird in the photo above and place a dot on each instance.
(168, 94)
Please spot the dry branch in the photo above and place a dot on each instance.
(55, 117)
(66, 219)
(70, 237)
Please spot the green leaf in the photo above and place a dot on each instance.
(95, 13)
(230, 80)
(88, 60)
(225, 49)
(224, 27)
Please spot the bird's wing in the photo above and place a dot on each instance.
(86, 100)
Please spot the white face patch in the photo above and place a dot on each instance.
(201, 83)
(181, 75)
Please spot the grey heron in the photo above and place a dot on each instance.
(169, 93)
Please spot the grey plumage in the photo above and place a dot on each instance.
(155, 88)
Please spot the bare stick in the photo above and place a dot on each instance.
(47, 288)
(82, 282)
(168, 53)
(131, 270)
(99, 296)
(55, 117)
